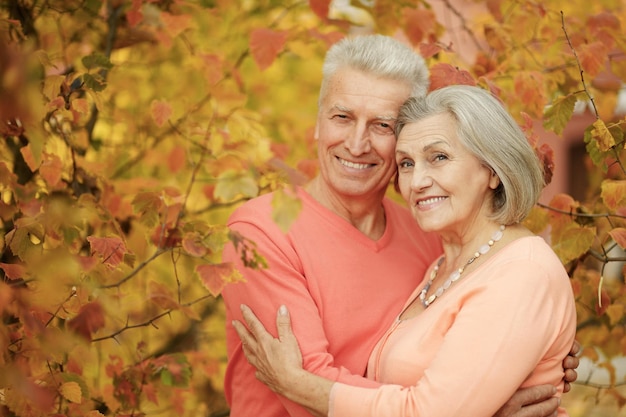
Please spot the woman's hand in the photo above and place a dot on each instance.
(277, 361)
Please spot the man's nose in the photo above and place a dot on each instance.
(359, 141)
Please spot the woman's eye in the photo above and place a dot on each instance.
(405, 164)
(440, 157)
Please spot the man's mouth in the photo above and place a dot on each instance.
(353, 164)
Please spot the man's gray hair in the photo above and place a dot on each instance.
(378, 55)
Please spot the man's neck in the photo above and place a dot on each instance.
(365, 213)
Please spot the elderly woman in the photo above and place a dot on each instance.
(495, 312)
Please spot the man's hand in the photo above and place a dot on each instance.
(538, 401)
(570, 363)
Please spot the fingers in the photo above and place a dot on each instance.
(570, 376)
(575, 348)
(545, 408)
(283, 324)
(537, 394)
(256, 327)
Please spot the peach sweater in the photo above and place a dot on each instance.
(508, 323)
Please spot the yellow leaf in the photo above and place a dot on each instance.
(559, 113)
(285, 208)
(573, 242)
(537, 220)
(613, 193)
(615, 312)
(71, 392)
(601, 134)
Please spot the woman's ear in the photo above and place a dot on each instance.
(494, 180)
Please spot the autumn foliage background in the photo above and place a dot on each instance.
(132, 128)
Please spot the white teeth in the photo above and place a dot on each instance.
(352, 164)
(430, 201)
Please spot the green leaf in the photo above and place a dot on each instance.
(557, 115)
(285, 208)
(93, 83)
(96, 61)
(231, 185)
(573, 242)
(597, 156)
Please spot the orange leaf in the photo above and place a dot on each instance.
(192, 243)
(51, 170)
(176, 24)
(529, 90)
(419, 24)
(442, 75)
(215, 277)
(593, 57)
(89, 319)
(213, 68)
(111, 249)
(564, 203)
(619, 236)
(29, 157)
(13, 271)
(320, 7)
(161, 295)
(80, 105)
(265, 45)
(161, 111)
(176, 159)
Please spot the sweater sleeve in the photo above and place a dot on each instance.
(264, 290)
(504, 330)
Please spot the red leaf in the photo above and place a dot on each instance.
(215, 277)
(320, 7)
(176, 159)
(161, 111)
(134, 15)
(619, 236)
(161, 295)
(593, 57)
(265, 45)
(89, 319)
(111, 249)
(419, 24)
(564, 202)
(428, 50)
(13, 271)
(192, 243)
(442, 75)
(546, 157)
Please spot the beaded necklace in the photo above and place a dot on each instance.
(454, 276)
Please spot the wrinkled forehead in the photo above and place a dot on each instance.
(349, 87)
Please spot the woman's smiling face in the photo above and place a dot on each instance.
(446, 187)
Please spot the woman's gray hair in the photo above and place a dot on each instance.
(490, 133)
(378, 55)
